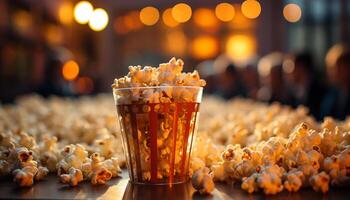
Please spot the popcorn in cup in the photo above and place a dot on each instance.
(158, 136)
(158, 111)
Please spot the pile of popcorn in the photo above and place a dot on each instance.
(262, 147)
(270, 147)
(167, 74)
(74, 138)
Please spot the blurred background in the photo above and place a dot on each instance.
(291, 51)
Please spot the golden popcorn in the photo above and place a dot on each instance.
(157, 110)
(312, 154)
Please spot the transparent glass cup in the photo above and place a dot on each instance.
(158, 131)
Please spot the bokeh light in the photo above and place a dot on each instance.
(99, 20)
(65, 12)
(292, 12)
(175, 43)
(132, 20)
(181, 12)
(240, 21)
(70, 70)
(225, 12)
(82, 12)
(251, 9)
(168, 18)
(240, 48)
(54, 35)
(205, 17)
(22, 21)
(149, 15)
(204, 47)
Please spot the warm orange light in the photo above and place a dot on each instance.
(175, 43)
(251, 9)
(181, 12)
(132, 20)
(99, 19)
(205, 17)
(83, 11)
(204, 47)
(149, 15)
(22, 21)
(225, 12)
(54, 34)
(168, 18)
(240, 21)
(65, 12)
(292, 12)
(70, 70)
(240, 48)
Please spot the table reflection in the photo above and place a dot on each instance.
(177, 191)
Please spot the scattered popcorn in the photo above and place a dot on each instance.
(275, 146)
(269, 179)
(35, 138)
(25, 176)
(196, 163)
(73, 156)
(320, 182)
(73, 177)
(26, 169)
(96, 170)
(293, 180)
(202, 181)
(249, 184)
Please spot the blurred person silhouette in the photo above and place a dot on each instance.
(53, 82)
(207, 72)
(229, 83)
(250, 80)
(271, 77)
(302, 82)
(337, 99)
(331, 58)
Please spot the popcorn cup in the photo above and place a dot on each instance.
(158, 126)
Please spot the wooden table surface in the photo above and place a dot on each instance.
(120, 188)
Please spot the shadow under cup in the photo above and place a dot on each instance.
(158, 136)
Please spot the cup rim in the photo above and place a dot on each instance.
(161, 86)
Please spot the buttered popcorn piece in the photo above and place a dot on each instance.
(249, 184)
(73, 156)
(344, 160)
(73, 177)
(41, 173)
(202, 181)
(27, 169)
(97, 169)
(25, 176)
(293, 180)
(320, 182)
